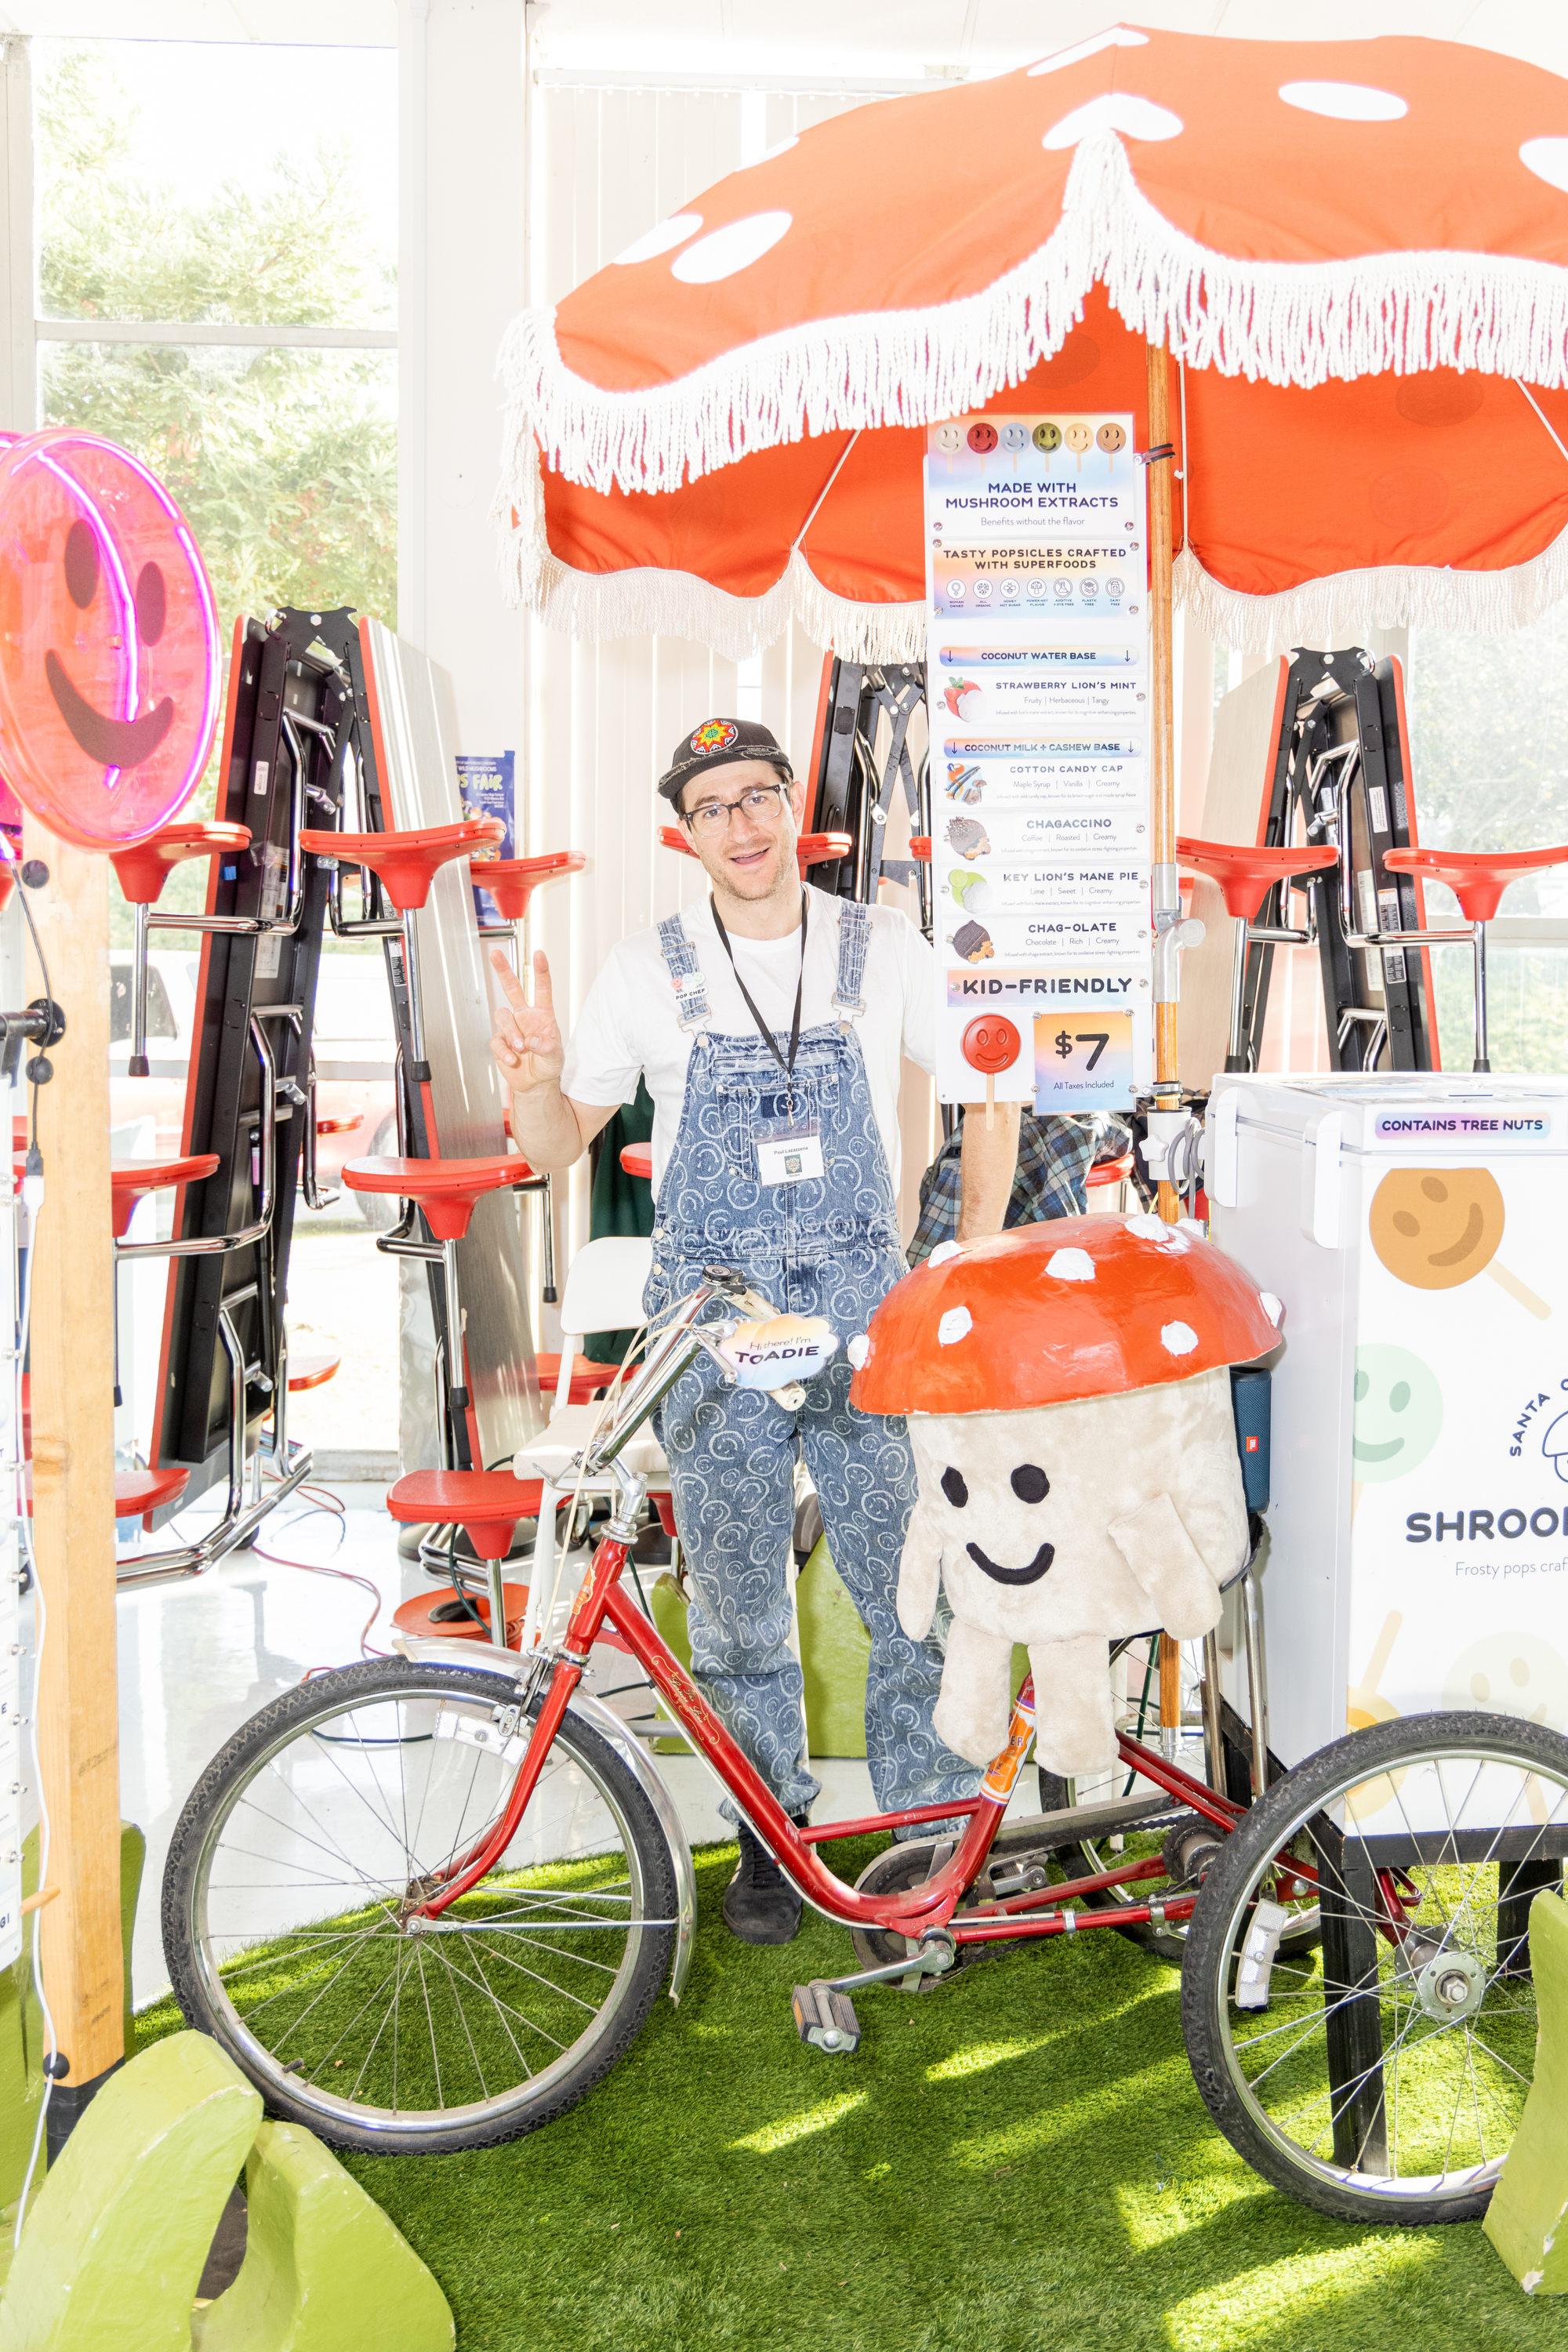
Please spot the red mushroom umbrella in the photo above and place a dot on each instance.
(1353, 251)
(1356, 251)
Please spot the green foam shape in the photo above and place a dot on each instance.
(1527, 2220)
(836, 1650)
(324, 2269)
(117, 2235)
(22, 2026)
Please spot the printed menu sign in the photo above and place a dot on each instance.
(1038, 678)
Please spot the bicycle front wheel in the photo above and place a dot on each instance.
(292, 1932)
(1382, 2077)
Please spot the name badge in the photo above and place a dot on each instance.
(788, 1155)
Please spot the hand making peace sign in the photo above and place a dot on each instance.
(525, 1038)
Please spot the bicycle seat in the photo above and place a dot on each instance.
(406, 862)
(1477, 877)
(447, 1189)
(636, 1159)
(512, 881)
(130, 1180)
(486, 1504)
(1246, 875)
(141, 871)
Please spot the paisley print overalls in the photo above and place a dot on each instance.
(829, 1246)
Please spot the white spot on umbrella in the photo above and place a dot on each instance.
(1273, 1308)
(726, 251)
(1344, 101)
(1178, 1339)
(1070, 1265)
(1117, 109)
(1121, 36)
(955, 1325)
(1548, 159)
(943, 1251)
(1148, 1227)
(860, 1347)
(662, 238)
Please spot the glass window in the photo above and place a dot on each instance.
(230, 211)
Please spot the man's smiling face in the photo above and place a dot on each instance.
(749, 853)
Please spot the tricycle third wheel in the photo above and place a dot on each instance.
(1381, 2077)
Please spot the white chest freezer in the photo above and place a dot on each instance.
(1414, 1227)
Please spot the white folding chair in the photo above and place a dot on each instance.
(603, 1292)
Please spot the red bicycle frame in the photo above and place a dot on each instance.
(1046, 1911)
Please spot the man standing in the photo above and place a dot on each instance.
(769, 1024)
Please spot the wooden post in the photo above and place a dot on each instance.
(1161, 716)
(73, 1484)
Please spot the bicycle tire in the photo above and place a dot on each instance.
(548, 1893)
(1389, 1756)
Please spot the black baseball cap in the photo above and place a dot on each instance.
(719, 743)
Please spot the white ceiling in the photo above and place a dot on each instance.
(906, 39)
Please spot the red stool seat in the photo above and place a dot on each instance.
(141, 871)
(486, 1504)
(1477, 877)
(636, 1159)
(441, 1616)
(336, 1126)
(512, 881)
(1110, 1172)
(406, 862)
(447, 1189)
(137, 1493)
(131, 1179)
(1246, 875)
(587, 1378)
(313, 1369)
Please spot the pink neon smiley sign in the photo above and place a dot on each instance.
(109, 645)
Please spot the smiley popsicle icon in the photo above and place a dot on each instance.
(1079, 438)
(1436, 1228)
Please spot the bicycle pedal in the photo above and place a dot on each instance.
(825, 2019)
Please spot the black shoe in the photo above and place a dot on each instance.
(761, 1906)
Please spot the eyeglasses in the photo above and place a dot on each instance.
(760, 806)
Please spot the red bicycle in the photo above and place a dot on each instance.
(427, 1902)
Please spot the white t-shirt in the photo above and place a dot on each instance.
(628, 1024)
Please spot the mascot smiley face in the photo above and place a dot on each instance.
(109, 650)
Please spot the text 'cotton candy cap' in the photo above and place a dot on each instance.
(1080, 1306)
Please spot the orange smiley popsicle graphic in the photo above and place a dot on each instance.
(1436, 1229)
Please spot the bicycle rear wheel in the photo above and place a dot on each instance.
(1382, 2078)
(289, 1924)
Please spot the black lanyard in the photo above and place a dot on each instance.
(763, 1029)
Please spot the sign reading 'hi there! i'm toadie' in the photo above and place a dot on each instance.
(1037, 678)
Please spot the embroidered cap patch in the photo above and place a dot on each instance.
(715, 735)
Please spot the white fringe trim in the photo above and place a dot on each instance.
(1285, 322)
(1340, 609)
(595, 607)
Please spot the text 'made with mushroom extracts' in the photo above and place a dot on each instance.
(1038, 678)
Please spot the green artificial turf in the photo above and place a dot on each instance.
(1017, 2159)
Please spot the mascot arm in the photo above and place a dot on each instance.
(1168, 1567)
(920, 1573)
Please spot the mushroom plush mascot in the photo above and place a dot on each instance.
(1068, 1393)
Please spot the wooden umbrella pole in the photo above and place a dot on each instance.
(73, 1488)
(1162, 730)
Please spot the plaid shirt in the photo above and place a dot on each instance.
(1055, 1156)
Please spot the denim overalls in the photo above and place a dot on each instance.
(826, 1246)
